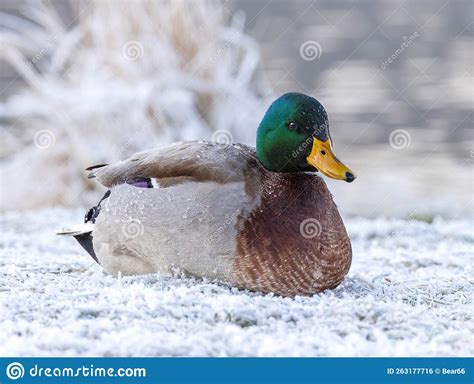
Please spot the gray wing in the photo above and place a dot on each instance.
(195, 160)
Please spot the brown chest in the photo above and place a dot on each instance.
(293, 241)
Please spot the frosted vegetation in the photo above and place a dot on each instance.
(97, 91)
(409, 293)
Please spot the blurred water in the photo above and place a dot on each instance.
(396, 80)
(427, 86)
(423, 97)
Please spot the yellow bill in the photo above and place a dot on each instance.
(323, 159)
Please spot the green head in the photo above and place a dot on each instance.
(293, 136)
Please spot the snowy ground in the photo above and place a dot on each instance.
(409, 293)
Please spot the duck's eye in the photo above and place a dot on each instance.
(292, 126)
(323, 152)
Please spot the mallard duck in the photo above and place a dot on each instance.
(258, 219)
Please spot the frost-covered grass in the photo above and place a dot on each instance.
(409, 293)
(119, 78)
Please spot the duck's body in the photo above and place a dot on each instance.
(215, 211)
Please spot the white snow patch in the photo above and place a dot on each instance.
(409, 293)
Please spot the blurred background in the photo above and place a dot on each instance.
(86, 82)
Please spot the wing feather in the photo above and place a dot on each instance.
(199, 161)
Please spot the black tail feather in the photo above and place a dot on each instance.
(85, 240)
(96, 166)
